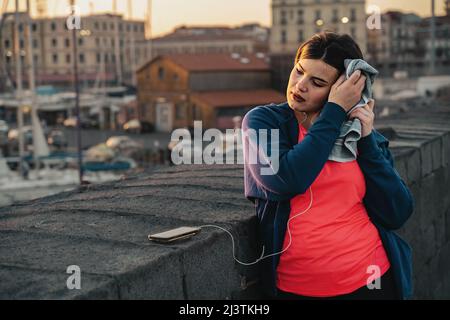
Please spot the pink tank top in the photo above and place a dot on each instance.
(335, 247)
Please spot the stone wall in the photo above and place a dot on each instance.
(103, 229)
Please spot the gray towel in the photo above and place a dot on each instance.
(345, 147)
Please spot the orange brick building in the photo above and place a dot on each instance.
(175, 90)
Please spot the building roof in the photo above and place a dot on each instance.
(202, 37)
(217, 62)
(203, 33)
(240, 98)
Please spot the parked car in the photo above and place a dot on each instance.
(86, 123)
(120, 143)
(13, 135)
(136, 126)
(57, 139)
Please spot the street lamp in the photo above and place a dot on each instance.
(77, 94)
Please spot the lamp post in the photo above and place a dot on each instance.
(77, 93)
(433, 40)
(19, 92)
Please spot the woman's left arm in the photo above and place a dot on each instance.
(388, 200)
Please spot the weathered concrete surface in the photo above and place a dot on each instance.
(103, 229)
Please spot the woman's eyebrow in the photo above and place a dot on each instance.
(312, 77)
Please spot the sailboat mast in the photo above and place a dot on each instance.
(19, 92)
(133, 45)
(118, 61)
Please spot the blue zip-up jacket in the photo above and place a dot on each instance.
(388, 201)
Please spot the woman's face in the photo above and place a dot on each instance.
(310, 84)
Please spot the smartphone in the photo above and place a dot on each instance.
(174, 234)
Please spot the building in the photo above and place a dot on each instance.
(396, 46)
(403, 44)
(295, 21)
(218, 109)
(97, 61)
(175, 90)
(250, 38)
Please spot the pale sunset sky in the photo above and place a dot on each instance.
(168, 14)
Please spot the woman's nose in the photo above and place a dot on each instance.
(301, 85)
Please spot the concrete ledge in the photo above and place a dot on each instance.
(103, 229)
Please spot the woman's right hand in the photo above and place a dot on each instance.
(347, 93)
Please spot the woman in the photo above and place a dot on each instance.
(335, 241)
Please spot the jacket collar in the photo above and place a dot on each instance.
(289, 120)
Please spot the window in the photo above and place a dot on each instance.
(55, 58)
(96, 25)
(80, 41)
(54, 42)
(67, 42)
(21, 43)
(35, 43)
(99, 58)
(7, 43)
(318, 14)
(81, 57)
(335, 16)
(34, 27)
(20, 27)
(97, 42)
(105, 26)
(180, 111)
(197, 112)
(161, 73)
(300, 36)
(353, 15)
(283, 18)
(300, 18)
(68, 58)
(283, 36)
(53, 26)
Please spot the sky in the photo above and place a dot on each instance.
(168, 14)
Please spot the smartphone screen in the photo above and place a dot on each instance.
(174, 234)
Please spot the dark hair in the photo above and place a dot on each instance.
(331, 48)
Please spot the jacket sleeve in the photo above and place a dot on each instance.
(388, 200)
(295, 168)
